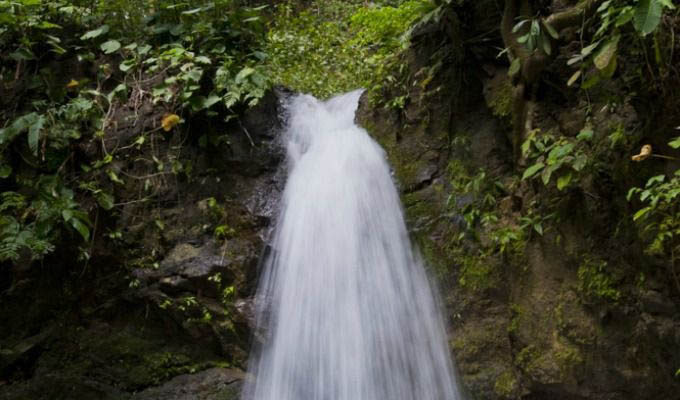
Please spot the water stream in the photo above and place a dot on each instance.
(348, 311)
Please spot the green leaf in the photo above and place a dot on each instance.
(531, 171)
(675, 143)
(585, 134)
(563, 181)
(655, 179)
(580, 162)
(647, 16)
(66, 214)
(641, 213)
(605, 55)
(114, 177)
(559, 152)
(5, 171)
(95, 33)
(110, 46)
(203, 60)
(551, 31)
(538, 227)
(80, 227)
(632, 192)
(514, 67)
(243, 74)
(547, 172)
(126, 65)
(574, 78)
(105, 200)
(589, 49)
(211, 100)
(34, 134)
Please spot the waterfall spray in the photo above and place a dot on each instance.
(346, 305)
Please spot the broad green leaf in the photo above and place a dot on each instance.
(105, 200)
(606, 53)
(531, 171)
(110, 46)
(580, 162)
(243, 74)
(563, 181)
(647, 16)
(560, 151)
(211, 100)
(126, 65)
(655, 179)
(675, 143)
(538, 227)
(95, 33)
(80, 227)
(67, 214)
(203, 60)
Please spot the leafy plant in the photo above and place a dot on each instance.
(557, 157)
(659, 218)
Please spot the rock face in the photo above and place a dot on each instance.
(211, 384)
(165, 310)
(562, 315)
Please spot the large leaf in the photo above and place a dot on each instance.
(34, 133)
(647, 16)
(531, 171)
(95, 32)
(110, 46)
(607, 53)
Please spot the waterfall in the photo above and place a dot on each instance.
(346, 307)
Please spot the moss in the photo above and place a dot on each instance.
(478, 272)
(528, 358)
(506, 384)
(595, 282)
(517, 312)
(568, 357)
(500, 99)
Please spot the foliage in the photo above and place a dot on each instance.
(204, 57)
(599, 59)
(595, 282)
(325, 51)
(558, 157)
(659, 218)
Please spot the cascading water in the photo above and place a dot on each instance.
(345, 303)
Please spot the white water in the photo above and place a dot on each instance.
(348, 310)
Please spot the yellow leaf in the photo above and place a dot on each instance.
(73, 83)
(645, 152)
(169, 121)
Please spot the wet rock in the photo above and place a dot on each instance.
(655, 303)
(211, 384)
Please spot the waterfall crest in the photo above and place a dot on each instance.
(346, 305)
